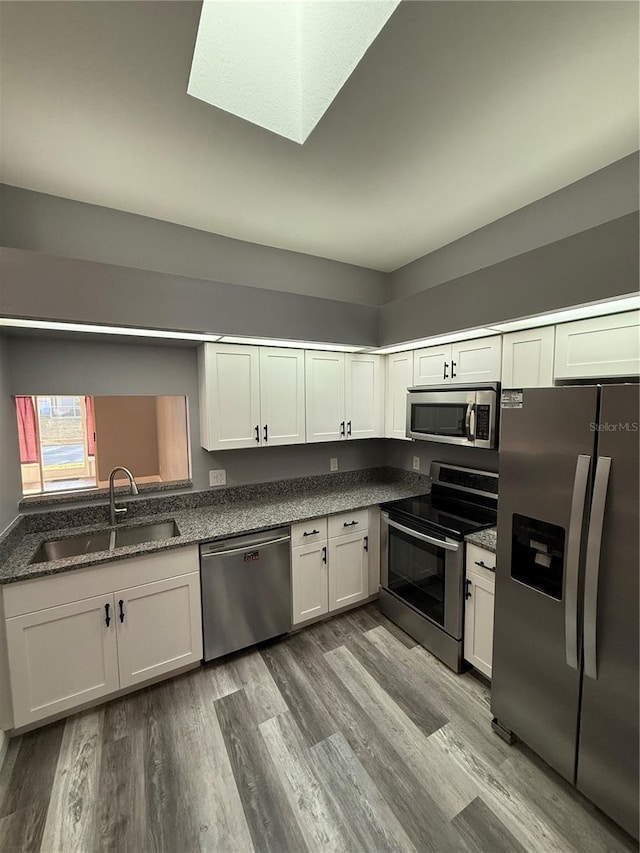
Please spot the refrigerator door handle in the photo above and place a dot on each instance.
(573, 559)
(592, 566)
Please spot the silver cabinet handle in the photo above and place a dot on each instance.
(467, 421)
(592, 566)
(441, 543)
(580, 482)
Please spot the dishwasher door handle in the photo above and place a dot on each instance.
(254, 546)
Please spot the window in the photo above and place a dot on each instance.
(71, 443)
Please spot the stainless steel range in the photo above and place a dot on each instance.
(422, 553)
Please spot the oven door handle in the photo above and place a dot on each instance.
(441, 543)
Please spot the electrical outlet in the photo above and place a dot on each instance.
(333, 463)
(218, 478)
(416, 463)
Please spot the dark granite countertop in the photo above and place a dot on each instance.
(273, 506)
(484, 538)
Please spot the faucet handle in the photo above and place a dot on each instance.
(120, 512)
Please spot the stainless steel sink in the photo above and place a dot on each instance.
(72, 546)
(104, 540)
(146, 533)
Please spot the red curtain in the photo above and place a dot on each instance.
(27, 432)
(91, 435)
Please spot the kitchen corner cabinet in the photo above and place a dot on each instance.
(344, 396)
(476, 360)
(331, 569)
(399, 377)
(250, 396)
(599, 347)
(88, 646)
(527, 358)
(479, 607)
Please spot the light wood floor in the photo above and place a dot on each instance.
(344, 737)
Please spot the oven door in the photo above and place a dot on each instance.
(425, 571)
(444, 416)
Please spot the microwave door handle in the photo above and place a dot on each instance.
(580, 484)
(471, 407)
(441, 543)
(592, 565)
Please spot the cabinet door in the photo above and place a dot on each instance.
(478, 625)
(62, 657)
(601, 346)
(432, 366)
(399, 379)
(282, 396)
(348, 569)
(364, 393)
(229, 396)
(324, 378)
(527, 358)
(159, 627)
(477, 360)
(309, 581)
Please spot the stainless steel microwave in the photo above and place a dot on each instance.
(465, 414)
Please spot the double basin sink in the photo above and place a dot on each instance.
(104, 540)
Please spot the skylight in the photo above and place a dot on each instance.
(280, 63)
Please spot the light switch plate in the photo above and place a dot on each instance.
(218, 478)
(333, 463)
(416, 463)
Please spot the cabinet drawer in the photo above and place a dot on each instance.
(480, 560)
(348, 522)
(306, 532)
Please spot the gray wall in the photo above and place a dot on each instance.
(10, 481)
(55, 288)
(596, 264)
(607, 194)
(53, 366)
(400, 454)
(59, 226)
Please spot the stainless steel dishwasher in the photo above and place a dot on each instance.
(246, 590)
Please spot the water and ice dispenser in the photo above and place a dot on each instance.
(537, 554)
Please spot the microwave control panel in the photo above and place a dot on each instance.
(482, 422)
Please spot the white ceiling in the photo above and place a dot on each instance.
(459, 113)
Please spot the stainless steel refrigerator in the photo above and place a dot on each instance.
(565, 666)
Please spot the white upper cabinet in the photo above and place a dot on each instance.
(229, 379)
(600, 346)
(250, 396)
(432, 366)
(527, 358)
(399, 377)
(364, 395)
(282, 396)
(325, 396)
(344, 396)
(477, 360)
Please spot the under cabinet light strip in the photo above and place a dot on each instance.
(11, 322)
(311, 345)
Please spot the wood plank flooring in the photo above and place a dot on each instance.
(346, 736)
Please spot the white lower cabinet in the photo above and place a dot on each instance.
(61, 657)
(334, 569)
(309, 581)
(348, 569)
(479, 606)
(159, 628)
(75, 652)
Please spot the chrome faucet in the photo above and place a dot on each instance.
(116, 513)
